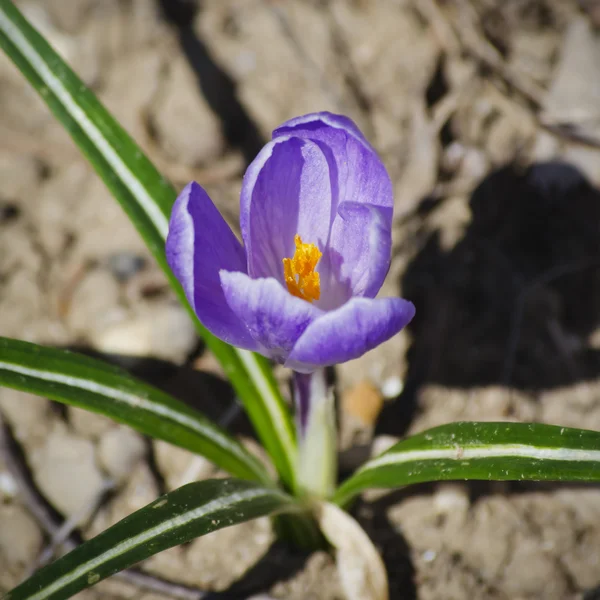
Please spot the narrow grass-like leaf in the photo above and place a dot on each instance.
(99, 387)
(485, 451)
(175, 518)
(147, 198)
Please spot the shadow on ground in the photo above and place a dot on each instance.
(515, 302)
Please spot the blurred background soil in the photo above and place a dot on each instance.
(486, 113)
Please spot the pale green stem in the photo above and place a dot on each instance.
(317, 447)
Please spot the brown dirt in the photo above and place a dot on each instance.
(485, 113)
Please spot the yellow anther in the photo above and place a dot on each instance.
(300, 276)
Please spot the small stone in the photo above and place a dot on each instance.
(125, 265)
(208, 363)
(107, 231)
(540, 572)
(594, 340)
(318, 578)
(94, 305)
(119, 451)
(382, 443)
(179, 466)
(360, 406)
(572, 406)
(20, 537)
(88, 424)
(161, 331)
(8, 485)
(392, 387)
(28, 415)
(364, 402)
(65, 470)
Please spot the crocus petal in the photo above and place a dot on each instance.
(199, 244)
(274, 318)
(286, 191)
(357, 177)
(366, 184)
(298, 184)
(359, 250)
(349, 332)
(315, 125)
(360, 175)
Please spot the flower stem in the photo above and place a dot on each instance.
(317, 448)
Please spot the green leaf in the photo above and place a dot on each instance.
(96, 386)
(485, 451)
(175, 518)
(147, 198)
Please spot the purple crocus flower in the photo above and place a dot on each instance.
(315, 216)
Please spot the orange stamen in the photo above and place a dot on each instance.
(300, 276)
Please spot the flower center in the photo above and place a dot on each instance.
(299, 271)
